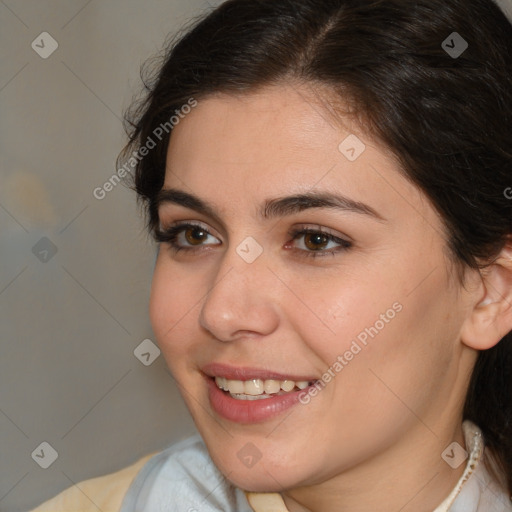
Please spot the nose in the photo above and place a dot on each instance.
(242, 300)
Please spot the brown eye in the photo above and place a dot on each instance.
(310, 242)
(195, 235)
(315, 241)
(186, 236)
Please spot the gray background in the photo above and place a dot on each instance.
(69, 326)
(70, 321)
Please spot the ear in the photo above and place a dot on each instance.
(491, 317)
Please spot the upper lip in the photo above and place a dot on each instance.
(245, 373)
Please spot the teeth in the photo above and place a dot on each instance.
(272, 386)
(251, 387)
(256, 389)
(242, 396)
(235, 387)
(221, 382)
(287, 385)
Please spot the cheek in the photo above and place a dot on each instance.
(173, 303)
(398, 349)
(377, 335)
(346, 314)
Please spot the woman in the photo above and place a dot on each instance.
(329, 181)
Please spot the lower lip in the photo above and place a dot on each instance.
(249, 411)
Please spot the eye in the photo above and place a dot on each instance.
(306, 241)
(185, 236)
(316, 242)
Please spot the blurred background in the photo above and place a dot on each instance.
(83, 389)
(75, 271)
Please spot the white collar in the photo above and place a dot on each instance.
(475, 447)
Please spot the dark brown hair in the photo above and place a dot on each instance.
(447, 118)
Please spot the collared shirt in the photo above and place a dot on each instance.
(183, 478)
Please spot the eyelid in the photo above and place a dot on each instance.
(165, 227)
(318, 228)
(209, 223)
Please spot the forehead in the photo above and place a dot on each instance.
(275, 124)
(235, 150)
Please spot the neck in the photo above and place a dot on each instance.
(418, 483)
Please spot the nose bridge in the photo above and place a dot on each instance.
(239, 300)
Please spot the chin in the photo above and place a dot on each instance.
(259, 480)
(265, 475)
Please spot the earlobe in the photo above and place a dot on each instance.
(485, 328)
(491, 317)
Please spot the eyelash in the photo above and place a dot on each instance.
(170, 235)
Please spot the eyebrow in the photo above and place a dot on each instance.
(276, 207)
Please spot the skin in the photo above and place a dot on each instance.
(382, 423)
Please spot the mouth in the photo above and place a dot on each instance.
(257, 389)
(247, 395)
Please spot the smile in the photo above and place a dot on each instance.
(257, 389)
(252, 395)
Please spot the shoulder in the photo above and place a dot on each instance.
(183, 478)
(104, 492)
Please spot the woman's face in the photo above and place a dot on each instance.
(362, 305)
